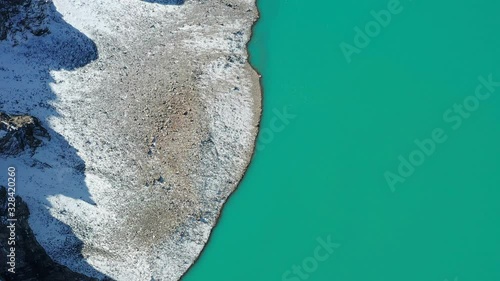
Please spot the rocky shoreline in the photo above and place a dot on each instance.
(152, 111)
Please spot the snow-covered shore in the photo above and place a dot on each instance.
(152, 111)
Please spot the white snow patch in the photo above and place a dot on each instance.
(73, 193)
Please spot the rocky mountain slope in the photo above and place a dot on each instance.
(150, 111)
(32, 262)
(22, 17)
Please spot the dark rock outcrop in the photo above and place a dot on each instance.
(20, 132)
(32, 262)
(19, 16)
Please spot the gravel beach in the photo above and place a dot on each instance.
(152, 110)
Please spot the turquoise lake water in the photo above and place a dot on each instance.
(378, 158)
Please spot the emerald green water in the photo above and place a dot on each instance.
(323, 173)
